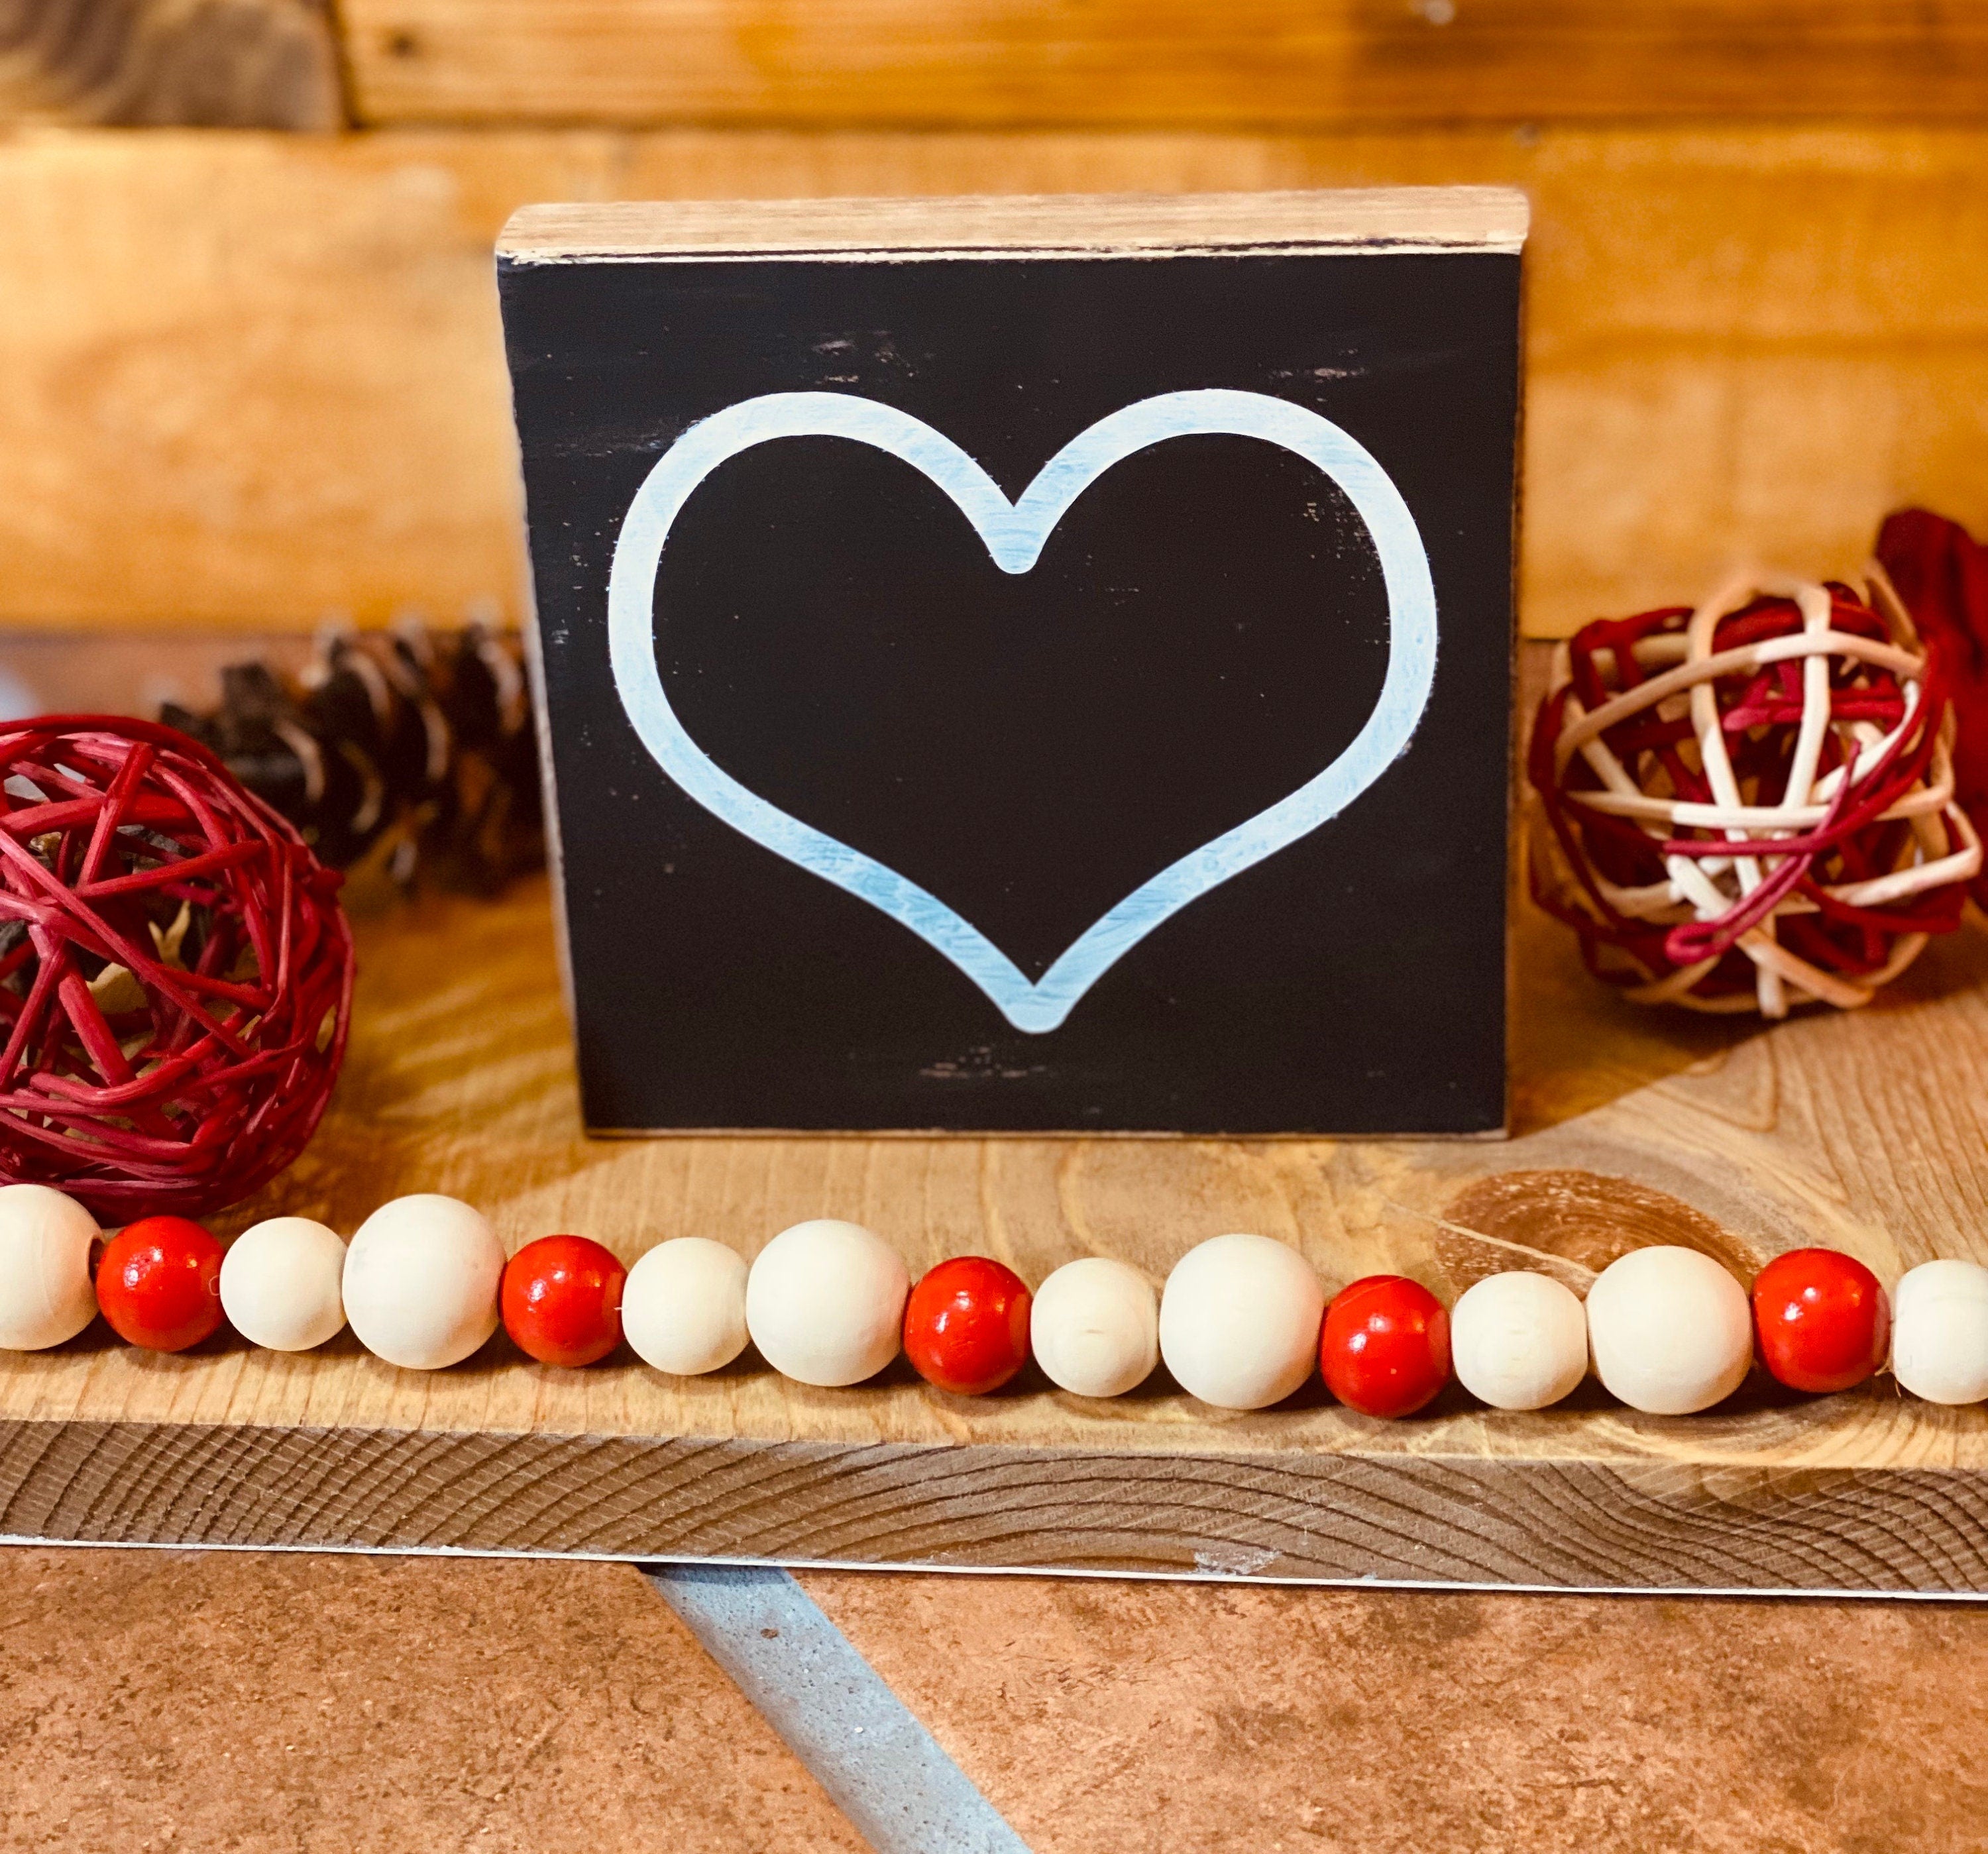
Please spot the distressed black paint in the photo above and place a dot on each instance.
(1204, 631)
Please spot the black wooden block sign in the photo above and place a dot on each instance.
(1028, 665)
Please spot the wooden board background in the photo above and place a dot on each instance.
(272, 64)
(247, 380)
(251, 380)
(1178, 63)
(1166, 63)
(1865, 1131)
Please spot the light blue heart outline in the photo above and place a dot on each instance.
(1014, 533)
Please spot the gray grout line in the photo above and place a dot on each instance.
(879, 1765)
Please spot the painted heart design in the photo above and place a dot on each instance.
(1014, 533)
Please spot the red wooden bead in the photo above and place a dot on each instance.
(1384, 1349)
(966, 1326)
(158, 1283)
(1821, 1320)
(561, 1300)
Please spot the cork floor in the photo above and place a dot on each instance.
(155, 1700)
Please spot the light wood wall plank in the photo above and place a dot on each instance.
(248, 379)
(1289, 64)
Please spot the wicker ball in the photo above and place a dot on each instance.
(175, 972)
(1800, 721)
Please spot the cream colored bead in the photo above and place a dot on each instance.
(420, 1281)
(1939, 1331)
(282, 1284)
(1239, 1321)
(1519, 1341)
(683, 1309)
(825, 1303)
(46, 1295)
(1670, 1331)
(1094, 1328)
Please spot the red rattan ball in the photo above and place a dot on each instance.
(1750, 806)
(175, 972)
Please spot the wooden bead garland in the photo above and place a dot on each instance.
(282, 1283)
(158, 1283)
(1519, 1340)
(1667, 1330)
(1749, 806)
(1670, 1331)
(1821, 1321)
(966, 1326)
(420, 1281)
(1095, 1328)
(560, 1301)
(1239, 1321)
(825, 1303)
(1939, 1332)
(47, 1296)
(683, 1308)
(1384, 1351)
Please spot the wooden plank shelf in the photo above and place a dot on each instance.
(1865, 1131)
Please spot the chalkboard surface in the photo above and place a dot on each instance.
(899, 785)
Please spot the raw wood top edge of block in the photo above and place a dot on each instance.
(1376, 220)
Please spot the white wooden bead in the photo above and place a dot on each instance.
(683, 1308)
(1519, 1341)
(1239, 1321)
(825, 1303)
(282, 1284)
(420, 1281)
(1670, 1331)
(1939, 1331)
(46, 1295)
(1095, 1328)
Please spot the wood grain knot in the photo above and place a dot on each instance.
(1583, 1219)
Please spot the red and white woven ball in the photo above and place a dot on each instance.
(175, 972)
(1750, 805)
